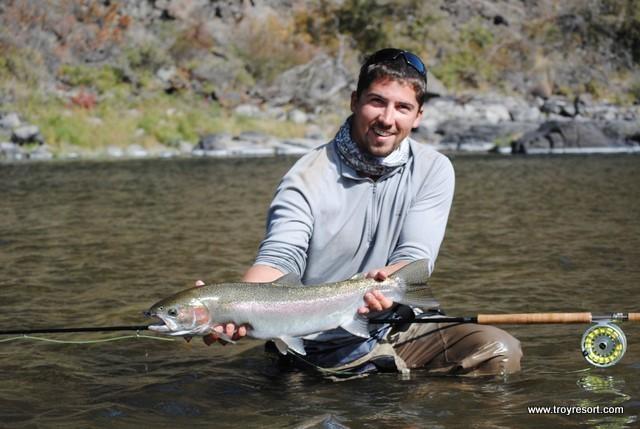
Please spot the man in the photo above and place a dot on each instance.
(371, 201)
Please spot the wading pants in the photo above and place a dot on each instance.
(457, 349)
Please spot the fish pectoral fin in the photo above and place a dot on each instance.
(419, 296)
(294, 343)
(359, 327)
(224, 337)
(290, 279)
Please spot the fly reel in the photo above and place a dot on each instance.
(603, 344)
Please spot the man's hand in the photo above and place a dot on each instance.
(375, 301)
(229, 329)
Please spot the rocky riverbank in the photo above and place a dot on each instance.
(488, 123)
(163, 78)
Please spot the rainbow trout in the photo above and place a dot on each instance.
(286, 311)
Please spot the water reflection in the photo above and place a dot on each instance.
(97, 243)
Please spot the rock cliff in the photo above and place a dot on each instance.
(498, 69)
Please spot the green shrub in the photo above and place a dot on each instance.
(634, 92)
(367, 22)
(146, 57)
(629, 32)
(268, 44)
(469, 63)
(101, 78)
(22, 65)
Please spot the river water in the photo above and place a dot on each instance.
(95, 243)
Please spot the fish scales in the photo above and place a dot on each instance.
(285, 310)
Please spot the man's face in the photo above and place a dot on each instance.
(384, 115)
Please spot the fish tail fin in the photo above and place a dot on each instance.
(413, 279)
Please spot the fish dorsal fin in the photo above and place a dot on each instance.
(414, 273)
(294, 343)
(359, 327)
(413, 277)
(289, 279)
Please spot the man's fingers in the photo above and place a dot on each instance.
(363, 310)
(375, 301)
(380, 276)
(229, 329)
(377, 275)
(385, 303)
(210, 339)
(372, 302)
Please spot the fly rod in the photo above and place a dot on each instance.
(523, 318)
(603, 343)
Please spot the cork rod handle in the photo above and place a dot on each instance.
(533, 318)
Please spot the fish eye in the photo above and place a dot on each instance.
(172, 312)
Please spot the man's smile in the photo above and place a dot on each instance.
(381, 132)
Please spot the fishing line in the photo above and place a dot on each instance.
(103, 340)
(74, 329)
(576, 371)
(327, 371)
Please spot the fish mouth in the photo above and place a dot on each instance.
(169, 327)
(185, 325)
(165, 327)
(161, 326)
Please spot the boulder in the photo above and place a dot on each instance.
(26, 134)
(561, 107)
(136, 151)
(248, 110)
(435, 88)
(40, 153)
(319, 82)
(10, 121)
(224, 78)
(564, 134)
(623, 132)
(10, 151)
(297, 116)
(114, 152)
(210, 142)
(461, 135)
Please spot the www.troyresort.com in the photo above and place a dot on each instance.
(569, 410)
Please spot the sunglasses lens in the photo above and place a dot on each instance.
(391, 54)
(415, 62)
(383, 55)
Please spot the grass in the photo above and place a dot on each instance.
(160, 120)
(470, 65)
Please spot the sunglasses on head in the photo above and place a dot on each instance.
(391, 54)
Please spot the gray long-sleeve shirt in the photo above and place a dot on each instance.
(327, 223)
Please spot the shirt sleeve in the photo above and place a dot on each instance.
(289, 229)
(424, 227)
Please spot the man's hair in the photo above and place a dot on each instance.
(397, 69)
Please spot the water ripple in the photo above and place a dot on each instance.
(93, 243)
